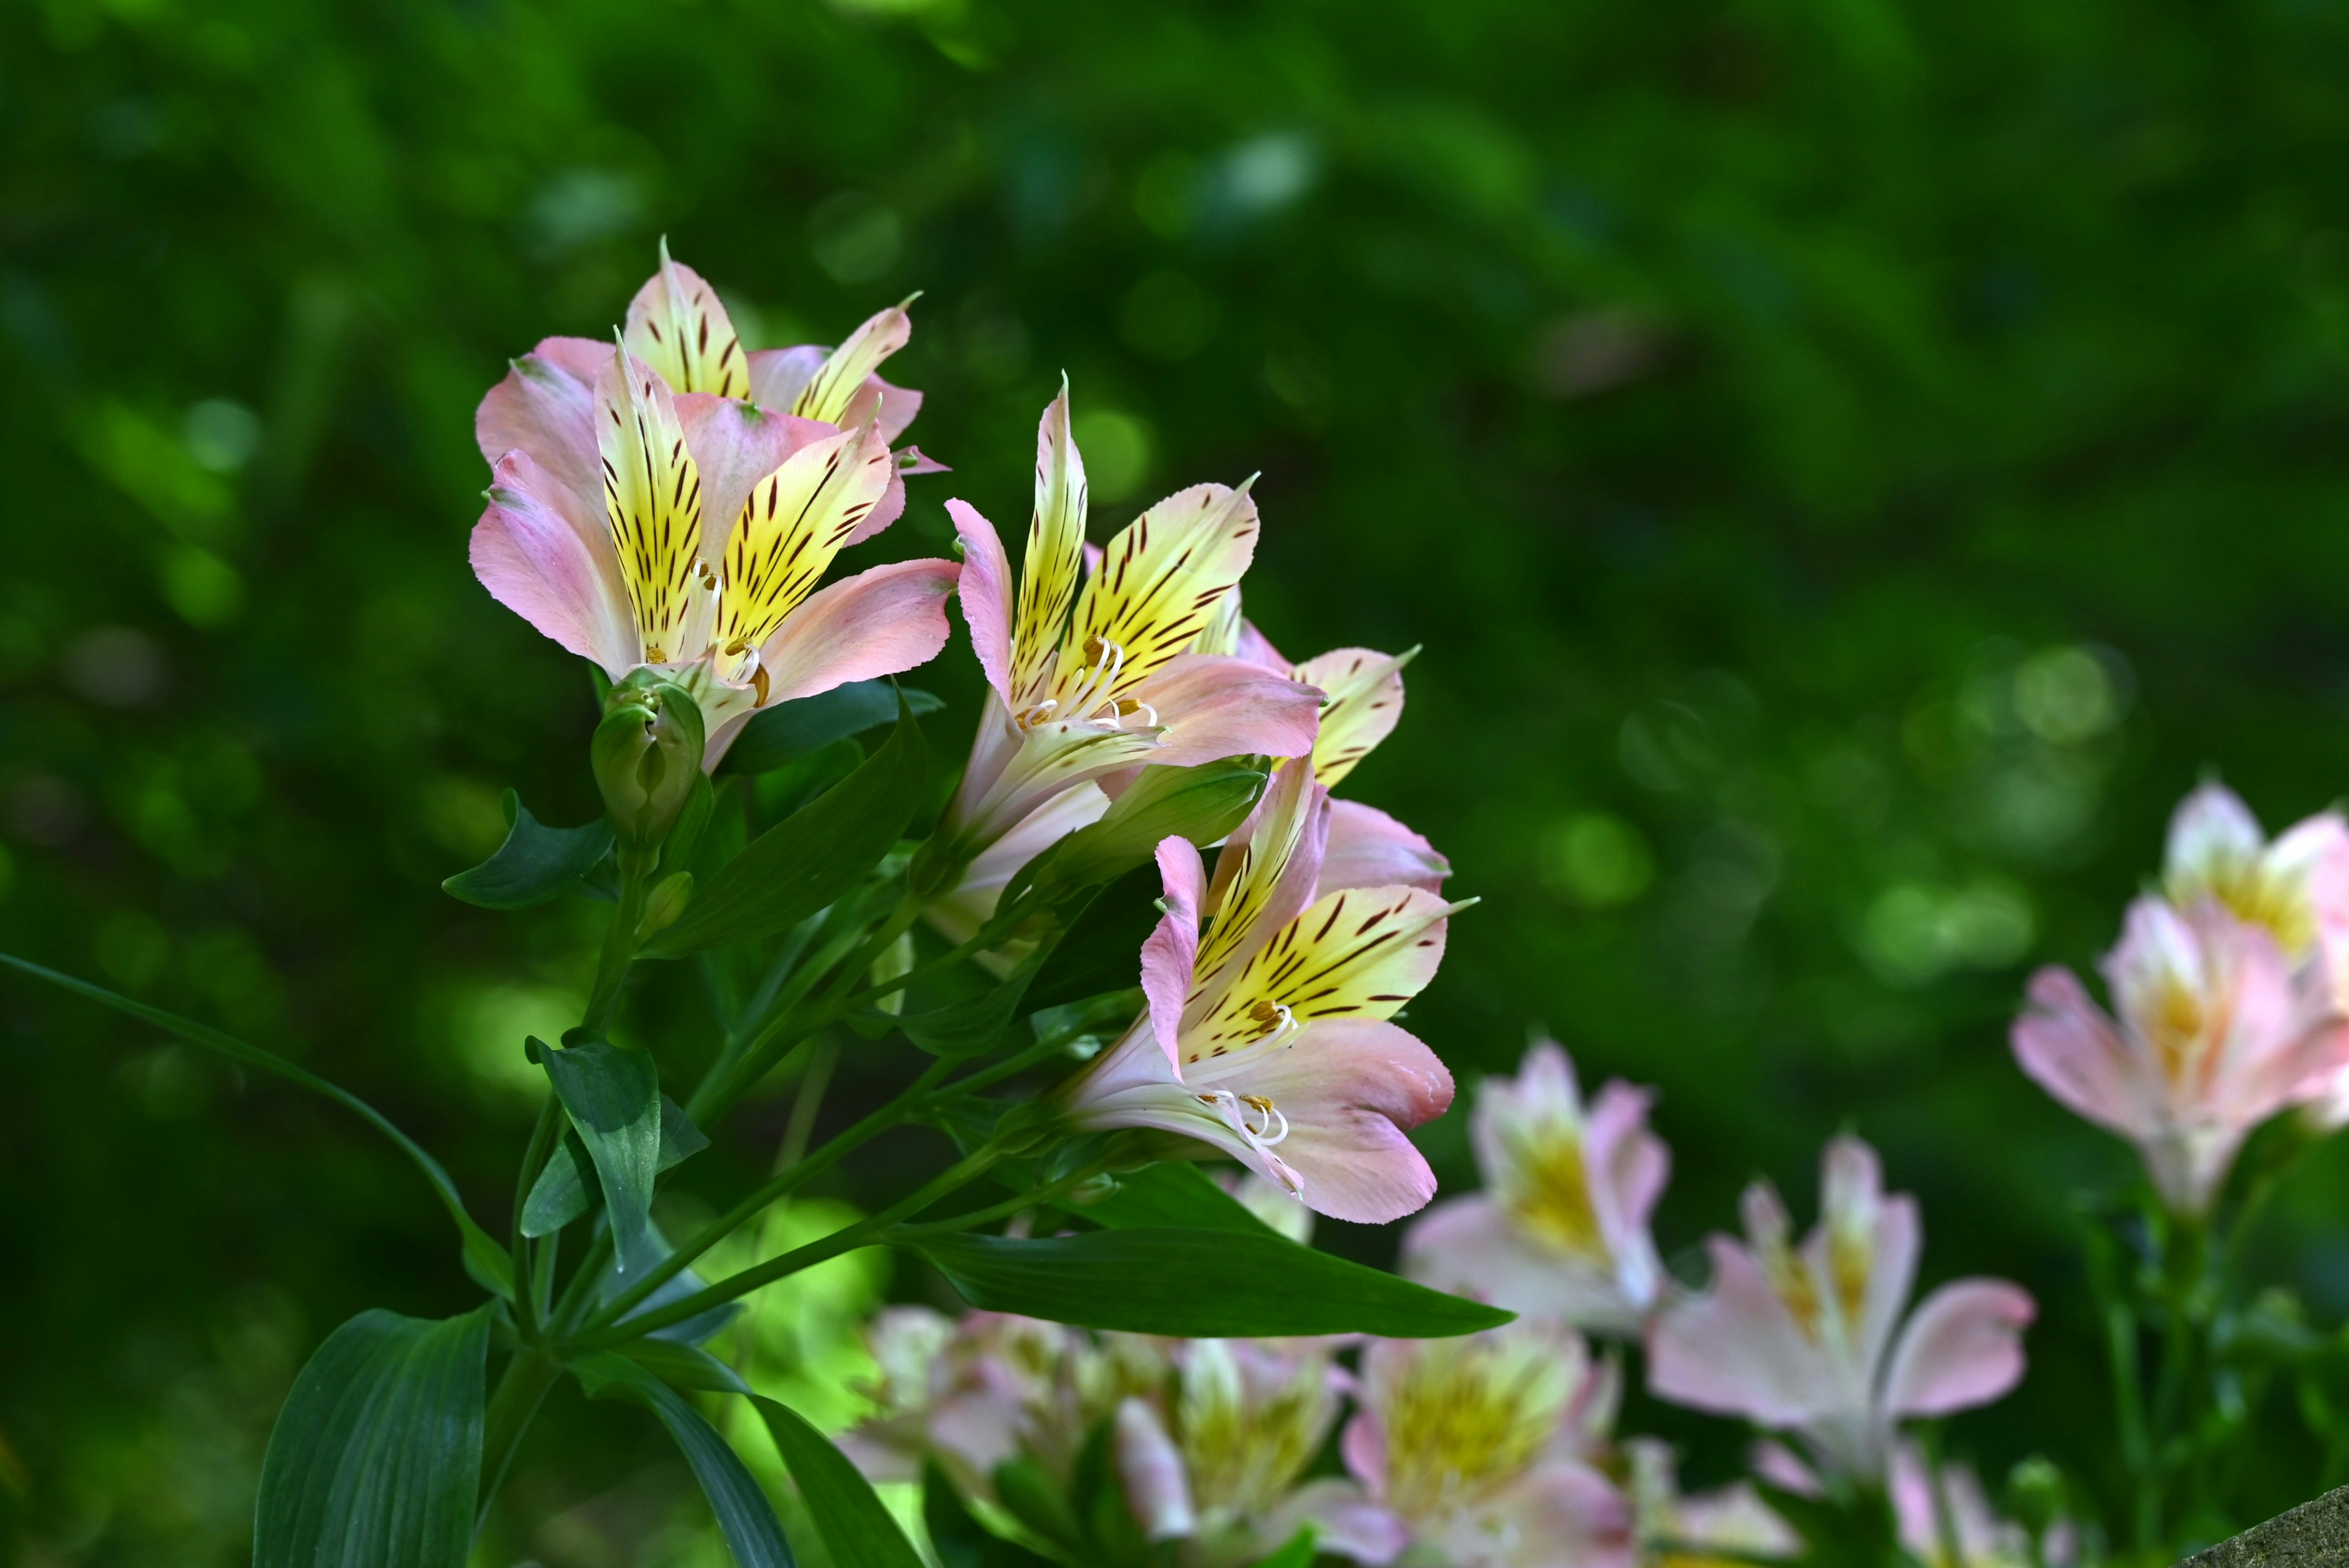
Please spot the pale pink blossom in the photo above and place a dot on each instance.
(1481, 1449)
(1560, 1229)
(1266, 1036)
(1680, 1529)
(1361, 689)
(1092, 676)
(2215, 1033)
(1946, 1519)
(642, 513)
(1811, 1341)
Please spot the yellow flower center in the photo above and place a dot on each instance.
(1465, 1418)
(1549, 1189)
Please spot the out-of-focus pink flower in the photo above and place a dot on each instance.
(2215, 1034)
(1803, 1341)
(1561, 1227)
(1708, 1530)
(1479, 1447)
(1266, 1037)
(1090, 676)
(641, 514)
(1975, 1536)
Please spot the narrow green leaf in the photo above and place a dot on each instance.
(686, 1282)
(811, 858)
(1202, 804)
(966, 1027)
(684, 1366)
(1172, 1196)
(1298, 1554)
(613, 1093)
(559, 1194)
(1196, 1285)
(855, 1527)
(1102, 951)
(742, 1510)
(535, 863)
(487, 1261)
(790, 730)
(959, 1539)
(376, 1456)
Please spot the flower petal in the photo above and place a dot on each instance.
(1370, 849)
(1470, 1245)
(734, 446)
(1962, 1347)
(2067, 1046)
(1052, 568)
(1346, 1523)
(1158, 586)
(790, 528)
(677, 325)
(1157, 1489)
(881, 622)
(652, 498)
(1173, 948)
(1562, 1512)
(2214, 840)
(539, 561)
(1214, 708)
(840, 384)
(1735, 1349)
(985, 595)
(1363, 703)
(1359, 954)
(1266, 870)
(1349, 1088)
(546, 406)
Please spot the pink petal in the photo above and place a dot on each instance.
(1170, 956)
(1157, 1487)
(546, 406)
(2212, 835)
(1258, 649)
(1216, 706)
(541, 561)
(1853, 1202)
(1962, 1347)
(1470, 1247)
(1346, 1523)
(734, 446)
(1370, 849)
(1348, 1089)
(1560, 1512)
(985, 595)
(2067, 1046)
(778, 375)
(1735, 1349)
(1363, 1446)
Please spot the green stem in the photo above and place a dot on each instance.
(740, 1029)
(741, 1214)
(533, 1160)
(580, 1293)
(1010, 1206)
(848, 1239)
(728, 1081)
(1042, 1050)
(619, 950)
(519, 1394)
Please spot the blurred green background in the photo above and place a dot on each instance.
(1852, 464)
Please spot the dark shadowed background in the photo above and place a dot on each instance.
(1851, 464)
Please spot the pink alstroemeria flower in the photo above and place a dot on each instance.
(1480, 1448)
(1092, 675)
(1704, 1530)
(2216, 1034)
(640, 513)
(1561, 1227)
(1266, 1037)
(1975, 1536)
(1804, 1342)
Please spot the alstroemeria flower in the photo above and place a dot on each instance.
(1479, 1447)
(645, 522)
(1976, 1537)
(1802, 1341)
(1092, 675)
(1361, 689)
(2216, 1034)
(1709, 1530)
(1219, 1467)
(1266, 1037)
(1561, 1227)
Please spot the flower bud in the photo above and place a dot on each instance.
(667, 902)
(647, 754)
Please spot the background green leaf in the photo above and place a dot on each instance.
(376, 1456)
(1197, 1285)
(856, 1529)
(744, 1515)
(535, 863)
(811, 858)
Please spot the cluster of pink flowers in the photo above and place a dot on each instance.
(2228, 999)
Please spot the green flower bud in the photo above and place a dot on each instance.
(647, 757)
(668, 902)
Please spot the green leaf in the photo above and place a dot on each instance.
(790, 730)
(488, 1262)
(535, 863)
(1195, 1284)
(959, 1539)
(1102, 951)
(684, 1366)
(1172, 1196)
(743, 1513)
(686, 1282)
(559, 1194)
(811, 858)
(376, 1456)
(1202, 804)
(1298, 1554)
(613, 1093)
(855, 1527)
(968, 1027)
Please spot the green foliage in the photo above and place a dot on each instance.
(788, 731)
(376, 1456)
(611, 1095)
(560, 1195)
(1222, 1284)
(744, 1514)
(535, 863)
(1171, 1195)
(856, 1529)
